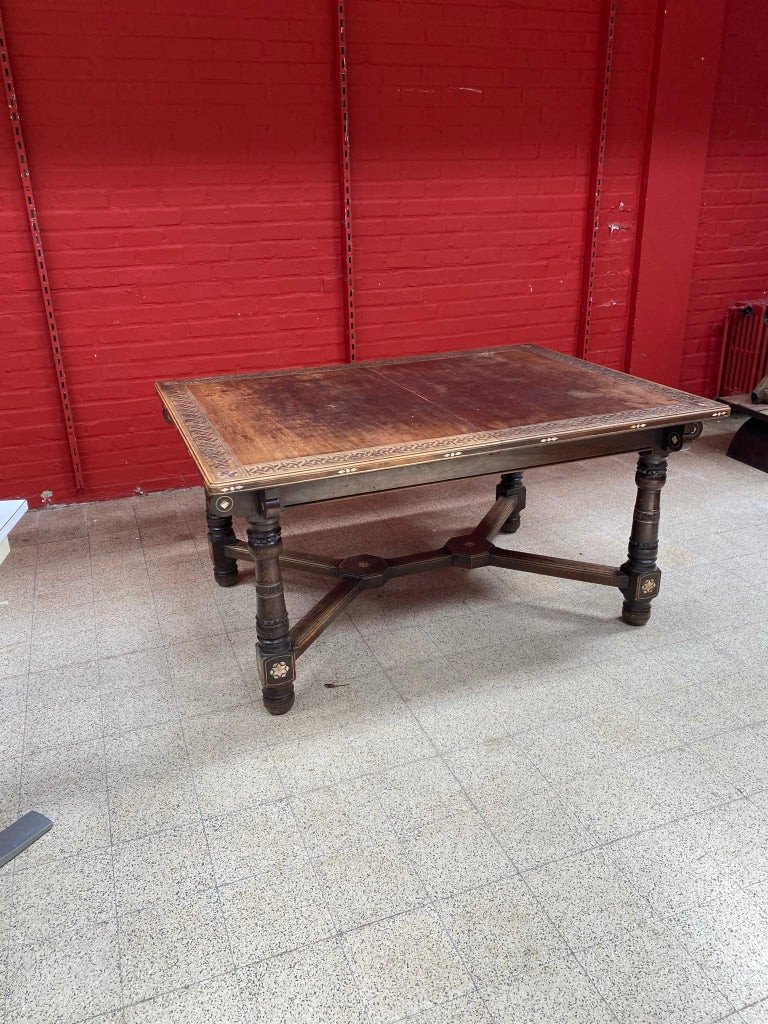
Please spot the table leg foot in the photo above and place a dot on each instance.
(511, 486)
(278, 704)
(643, 575)
(634, 615)
(220, 532)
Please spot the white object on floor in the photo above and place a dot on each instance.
(10, 514)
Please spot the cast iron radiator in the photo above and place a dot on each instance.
(744, 360)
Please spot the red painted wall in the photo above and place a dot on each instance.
(187, 177)
(472, 127)
(731, 261)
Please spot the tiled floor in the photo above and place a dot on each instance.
(512, 808)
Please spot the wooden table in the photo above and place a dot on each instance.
(267, 441)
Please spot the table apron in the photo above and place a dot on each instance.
(481, 464)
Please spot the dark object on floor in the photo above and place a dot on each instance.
(21, 834)
(760, 394)
(750, 442)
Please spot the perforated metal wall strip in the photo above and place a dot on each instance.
(596, 183)
(39, 251)
(346, 183)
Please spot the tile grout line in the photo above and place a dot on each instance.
(164, 646)
(107, 793)
(219, 903)
(434, 901)
(519, 874)
(12, 908)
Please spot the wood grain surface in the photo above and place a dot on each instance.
(258, 430)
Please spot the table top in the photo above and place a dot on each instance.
(267, 429)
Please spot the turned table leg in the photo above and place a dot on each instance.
(277, 661)
(220, 532)
(511, 486)
(643, 576)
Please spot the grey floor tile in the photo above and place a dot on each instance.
(12, 736)
(152, 804)
(337, 656)
(540, 664)
(125, 626)
(346, 816)
(219, 999)
(566, 750)
(537, 829)
(81, 823)
(755, 1014)
(323, 760)
(64, 770)
(13, 695)
(657, 790)
(457, 853)
(169, 865)
(10, 775)
(648, 978)
(77, 682)
(496, 773)
(422, 682)
(446, 722)
(234, 782)
(129, 709)
(387, 740)
(5, 922)
(62, 894)
(62, 724)
(740, 756)
(262, 840)
(420, 794)
(674, 866)
(313, 985)
(382, 956)
(549, 995)
(146, 752)
(224, 733)
(135, 670)
(728, 938)
(369, 884)
(14, 659)
(468, 1009)
(56, 649)
(500, 931)
(589, 898)
(188, 619)
(206, 677)
(70, 978)
(271, 914)
(171, 945)
(694, 712)
(403, 645)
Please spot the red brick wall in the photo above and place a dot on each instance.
(732, 248)
(186, 169)
(619, 206)
(472, 126)
(185, 165)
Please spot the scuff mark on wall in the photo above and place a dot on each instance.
(46, 497)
